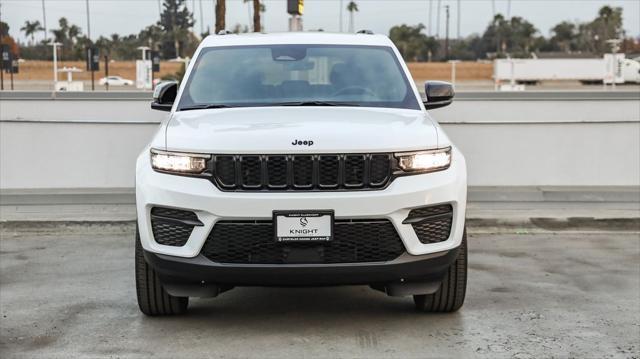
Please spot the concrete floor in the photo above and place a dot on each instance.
(529, 296)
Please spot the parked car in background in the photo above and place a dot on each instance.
(115, 81)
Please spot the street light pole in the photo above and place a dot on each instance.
(88, 21)
(340, 15)
(55, 64)
(458, 19)
(89, 51)
(446, 38)
(201, 22)
(430, 17)
(44, 22)
(438, 20)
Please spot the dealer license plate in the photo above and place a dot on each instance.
(303, 226)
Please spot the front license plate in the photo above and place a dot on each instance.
(303, 226)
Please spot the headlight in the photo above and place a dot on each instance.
(425, 161)
(178, 162)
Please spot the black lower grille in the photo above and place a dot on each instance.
(302, 172)
(431, 224)
(252, 242)
(172, 227)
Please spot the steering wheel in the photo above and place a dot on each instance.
(350, 89)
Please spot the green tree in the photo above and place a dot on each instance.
(151, 36)
(522, 35)
(564, 36)
(606, 26)
(496, 35)
(67, 35)
(175, 21)
(62, 32)
(7, 39)
(352, 8)
(412, 43)
(30, 28)
(515, 36)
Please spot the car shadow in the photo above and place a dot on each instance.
(288, 309)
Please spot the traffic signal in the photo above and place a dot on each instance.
(93, 59)
(295, 7)
(155, 61)
(14, 65)
(6, 57)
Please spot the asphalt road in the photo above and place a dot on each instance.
(529, 296)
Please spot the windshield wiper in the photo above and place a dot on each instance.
(204, 107)
(314, 103)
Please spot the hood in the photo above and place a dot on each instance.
(300, 130)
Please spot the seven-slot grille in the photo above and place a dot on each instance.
(302, 172)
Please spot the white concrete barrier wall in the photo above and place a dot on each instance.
(539, 141)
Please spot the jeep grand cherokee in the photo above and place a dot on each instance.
(300, 159)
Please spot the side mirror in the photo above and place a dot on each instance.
(439, 94)
(164, 95)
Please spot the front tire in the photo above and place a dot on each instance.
(450, 296)
(153, 299)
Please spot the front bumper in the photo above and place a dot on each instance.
(198, 272)
(211, 205)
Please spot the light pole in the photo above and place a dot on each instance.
(88, 22)
(90, 51)
(44, 22)
(446, 36)
(340, 15)
(453, 71)
(55, 64)
(147, 66)
(613, 64)
(458, 19)
(438, 20)
(201, 22)
(430, 17)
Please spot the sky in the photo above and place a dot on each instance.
(130, 16)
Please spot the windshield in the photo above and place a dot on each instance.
(277, 75)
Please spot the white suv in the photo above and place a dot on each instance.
(300, 159)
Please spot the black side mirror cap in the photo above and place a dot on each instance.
(164, 95)
(439, 94)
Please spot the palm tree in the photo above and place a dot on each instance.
(263, 8)
(257, 9)
(351, 8)
(30, 28)
(221, 10)
(74, 32)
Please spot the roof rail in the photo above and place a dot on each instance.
(224, 32)
(365, 32)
